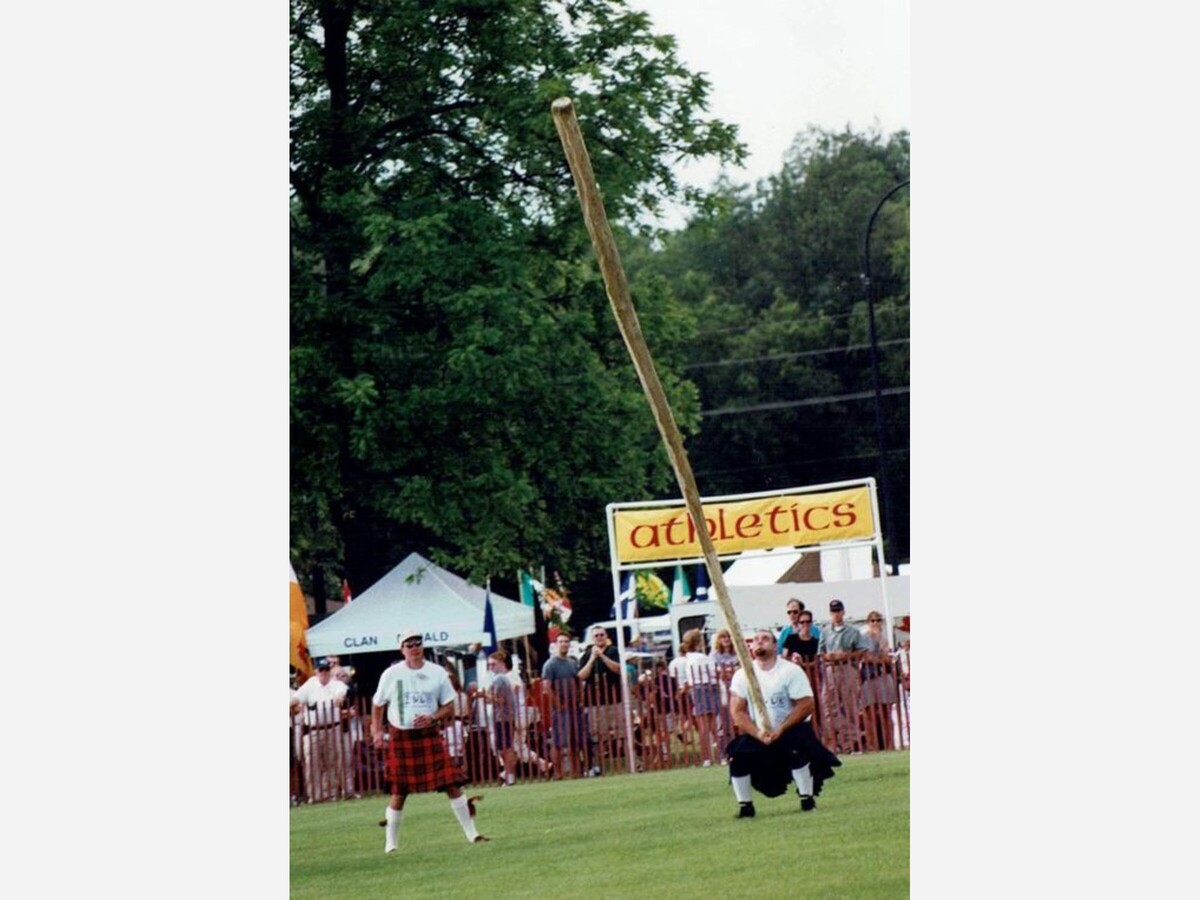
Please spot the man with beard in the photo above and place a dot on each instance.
(766, 755)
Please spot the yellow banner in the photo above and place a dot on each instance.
(667, 532)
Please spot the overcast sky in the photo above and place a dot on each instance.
(777, 66)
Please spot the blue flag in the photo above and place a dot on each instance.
(702, 583)
(628, 599)
(489, 621)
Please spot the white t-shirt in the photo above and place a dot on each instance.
(781, 687)
(409, 693)
(697, 669)
(321, 702)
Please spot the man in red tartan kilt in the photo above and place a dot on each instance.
(417, 699)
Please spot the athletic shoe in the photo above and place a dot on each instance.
(480, 839)
(707, 764)
(807, 804)
(594, 772)
(746, 810)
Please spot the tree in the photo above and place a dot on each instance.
(774, 277)
(457, 384)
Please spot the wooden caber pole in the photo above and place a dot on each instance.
(596, 220)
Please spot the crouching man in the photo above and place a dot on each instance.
(766, 756)
(418, 699)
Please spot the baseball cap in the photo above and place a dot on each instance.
(322, 662)
(836, 606)
(408, 634)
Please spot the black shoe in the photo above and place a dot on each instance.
(746, 810)
(807, 804)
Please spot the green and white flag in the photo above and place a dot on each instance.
(681, 592)
(531, 588)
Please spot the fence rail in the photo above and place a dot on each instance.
(575, 731)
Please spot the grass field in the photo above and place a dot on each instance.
(661, 834)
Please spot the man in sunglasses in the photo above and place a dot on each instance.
(795, 608)
(800, 636)
(418, 699)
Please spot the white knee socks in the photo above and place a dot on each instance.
(463, 813)
(393, 817)
(804, 781)
(741, 788)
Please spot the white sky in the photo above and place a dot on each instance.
(777, 66)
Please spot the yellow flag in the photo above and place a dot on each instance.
(299, 624)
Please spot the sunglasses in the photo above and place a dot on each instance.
(806, 621)
(408, 645)
(874, 620)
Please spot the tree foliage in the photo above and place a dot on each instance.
(774, 276)
(457, 384)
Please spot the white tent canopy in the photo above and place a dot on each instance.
(769, 567)
(417, 594)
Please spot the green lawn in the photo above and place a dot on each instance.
(659, 834)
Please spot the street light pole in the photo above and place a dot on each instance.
(886, 500)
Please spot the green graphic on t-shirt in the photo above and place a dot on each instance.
(400, 700)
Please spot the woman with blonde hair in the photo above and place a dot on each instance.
(878, 687)
(700, 684)
(723, 655)
(725, 660)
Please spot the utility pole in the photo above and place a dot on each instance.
(884, 495)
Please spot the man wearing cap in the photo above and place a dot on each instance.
(418, 699)
(321, 697)
(840, 688)
(769, 755)
(351, 730)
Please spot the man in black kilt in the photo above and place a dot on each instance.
(769, 756)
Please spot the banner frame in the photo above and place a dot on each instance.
(874, 540)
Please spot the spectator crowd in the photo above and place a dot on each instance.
(568, 717)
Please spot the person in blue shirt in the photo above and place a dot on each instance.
(794, 608)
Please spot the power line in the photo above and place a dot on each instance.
(789, 404)
(739, 329)
(900, 451)
(775, 356)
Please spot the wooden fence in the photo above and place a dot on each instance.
(862, 706)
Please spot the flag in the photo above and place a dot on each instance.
(628, 598)
(680, 592)
(702, 583)
(530, 588)
(345, 592)
(298, 657)
(489, 621)
(541, 633)
(652, 592)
